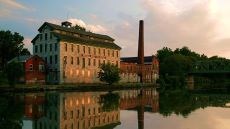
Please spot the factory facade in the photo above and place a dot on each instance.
(72, 54)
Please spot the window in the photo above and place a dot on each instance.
(94, 51)
(71, 60)
(31, 67)
(89, 62)
(94, 110)
(99, 62)
(65, 47)
(40, 37)
(84, 49)
(89, 50)
(113, 53)
(117, 54)
(50, 59)
(78, 49)
(46, 59)
(94, 62)
(45, 36)
(51, 36)
(78, 113)
(65, 115)
(103, 61)
(55, 46)
(56, 59)
(40, 47)
(99, 51)
(45, 47)
(51, 47)
(78, 61)
(108, 53)
(41, 67)
(65, 59)
(104, 52)
(72, 47)
(71, 114)
(36, 49)
(89, 111)
(83, 62)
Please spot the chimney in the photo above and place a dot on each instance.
(141, 43)
(66, 24)
(141, 49)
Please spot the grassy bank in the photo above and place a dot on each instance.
(74, 87)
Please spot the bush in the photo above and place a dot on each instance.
(109, 73)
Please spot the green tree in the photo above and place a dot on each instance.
(14, 72)
(25, 51)
(109, 73)
(164, 53)
(11, 45)
(77, 27)
(176, 65)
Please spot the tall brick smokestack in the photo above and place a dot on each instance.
(141, 48)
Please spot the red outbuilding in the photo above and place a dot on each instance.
(34, 69)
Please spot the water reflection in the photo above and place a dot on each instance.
(11, 112)
(98, 110)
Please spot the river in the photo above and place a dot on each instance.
(125, 109)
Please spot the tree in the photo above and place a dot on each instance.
(14, 72)
(176, 65)
(11, 45)
(25, 51)
(164, 53)
(109, 73)
(77, 27)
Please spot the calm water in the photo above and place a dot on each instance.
(126, 109)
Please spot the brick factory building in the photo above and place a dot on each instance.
(73, 55)
(130, 69)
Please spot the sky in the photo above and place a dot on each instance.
(201, 25)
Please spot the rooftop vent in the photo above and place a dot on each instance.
(66, 24)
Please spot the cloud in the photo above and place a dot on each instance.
(13, 4)
(94, 28)
(169, 23)
(192, 27)
(8, 7)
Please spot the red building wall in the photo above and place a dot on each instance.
(35, 70)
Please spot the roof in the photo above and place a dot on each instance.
(80, 40)
(134, 59)
(20, 58)
(58, 27)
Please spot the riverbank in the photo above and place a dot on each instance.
(74, 87)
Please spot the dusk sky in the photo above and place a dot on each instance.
(202, 25)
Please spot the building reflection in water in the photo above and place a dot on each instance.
(140, 100)
(86, 110)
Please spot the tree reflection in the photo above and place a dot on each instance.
(183, 103)
(11, 112)
(109, 101)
